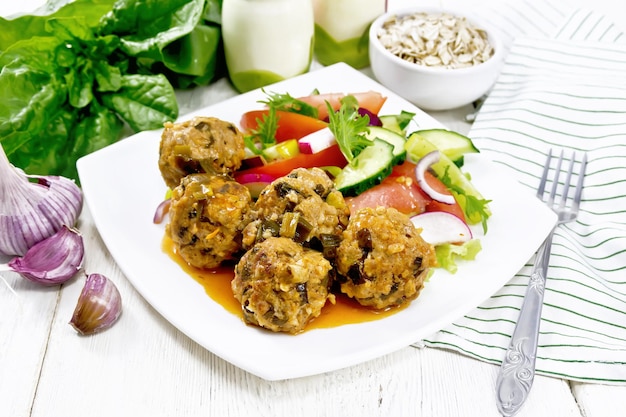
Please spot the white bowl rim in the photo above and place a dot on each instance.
(494, 38)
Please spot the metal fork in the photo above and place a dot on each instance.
(518, 367)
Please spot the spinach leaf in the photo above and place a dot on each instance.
(32, 96)
(43, 155)
(143, 101)
(174, 38)
(95, 130)
(71, 81)
(28, 26)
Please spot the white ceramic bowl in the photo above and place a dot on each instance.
(434, 88)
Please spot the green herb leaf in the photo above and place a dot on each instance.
(264, 135)
(286, 102)
(348, 127)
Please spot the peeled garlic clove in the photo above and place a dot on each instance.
(99, 305)
(54, 260)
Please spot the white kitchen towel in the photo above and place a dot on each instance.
(567, 91)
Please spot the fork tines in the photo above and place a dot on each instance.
(565, 185)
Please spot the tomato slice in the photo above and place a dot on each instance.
(370, 100)
(290, 125)
(396, 192)
(330, 156)
(405, 169)
(408, 169)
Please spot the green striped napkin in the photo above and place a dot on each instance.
(568, 91)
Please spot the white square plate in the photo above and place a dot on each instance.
(123, 186)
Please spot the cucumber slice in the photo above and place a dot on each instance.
(466, 194)
(397, 122)
(369, 168)
(390, 122)
(396, 140)
(454, 145)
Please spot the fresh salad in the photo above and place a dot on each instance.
(373, 160)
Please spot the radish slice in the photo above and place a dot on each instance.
(317, 141)
(440, 227)
(422, 165)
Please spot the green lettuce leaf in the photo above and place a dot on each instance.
(448, 254)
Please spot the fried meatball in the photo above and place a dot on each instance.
(202, 144)
(382, 260)
(304, 206)
(281, 285)
(207, 215)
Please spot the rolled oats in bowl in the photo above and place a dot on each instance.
(436, 58)
(435, 40)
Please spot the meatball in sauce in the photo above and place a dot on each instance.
(207, 216)
(281, 285)
(303, 205)
(382, 260)
(199, 145)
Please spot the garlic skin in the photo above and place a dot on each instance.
(99, 305)
(33, 211)
(54, 260)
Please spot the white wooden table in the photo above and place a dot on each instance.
(143, 366)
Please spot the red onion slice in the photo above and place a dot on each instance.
(161, 211)
(422, 166)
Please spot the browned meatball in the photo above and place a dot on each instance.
(281, 285)
(207, 216)
(304, 206)
(202, 144)
(382, 259)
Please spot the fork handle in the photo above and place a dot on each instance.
(518, 366)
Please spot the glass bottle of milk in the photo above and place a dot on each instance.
(266, 41)
(341, 30)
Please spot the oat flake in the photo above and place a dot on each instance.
(435, 40)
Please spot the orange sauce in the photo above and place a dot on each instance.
(216, 283)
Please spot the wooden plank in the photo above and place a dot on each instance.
(599, 400)
(26, 310)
